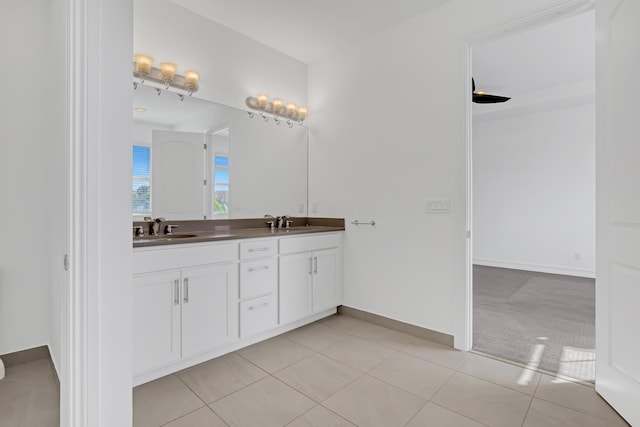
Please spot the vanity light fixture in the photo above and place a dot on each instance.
(143, 70)
(277, 109)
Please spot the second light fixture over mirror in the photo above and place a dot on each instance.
(277, 109)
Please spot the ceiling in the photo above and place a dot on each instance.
(306, 29)
(556, 54)
(552, 55)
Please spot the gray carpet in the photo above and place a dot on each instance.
(546, 321)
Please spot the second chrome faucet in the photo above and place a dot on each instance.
(283, 221)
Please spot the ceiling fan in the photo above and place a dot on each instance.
(484, 98)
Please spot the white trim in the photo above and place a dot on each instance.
(541, 268)
(535, 20)
(74, 403)
(463, 313)
(463, 306)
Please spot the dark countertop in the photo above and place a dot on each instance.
(218, 230)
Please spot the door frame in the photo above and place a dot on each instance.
(463, 337)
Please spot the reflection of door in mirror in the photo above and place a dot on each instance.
(218, 172)
(177, 174)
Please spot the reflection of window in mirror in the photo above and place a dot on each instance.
(221, 186)
(141, 194)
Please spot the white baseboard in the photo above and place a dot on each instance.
(541, 268)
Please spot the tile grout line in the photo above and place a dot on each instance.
(458, 413)
(526, 414)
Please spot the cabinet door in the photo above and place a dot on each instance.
(209, 308)
(295, 287)
(156, 320)
(325, 279)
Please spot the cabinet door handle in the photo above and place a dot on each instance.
(186, 290)
(315, 269)
(255, 307)
(176, 292)
(264, 267)
(265, 248)
(310, 265)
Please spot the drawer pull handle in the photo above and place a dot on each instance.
(264, 267)
(266, 248)
(176, 292)
(255, 307)
(186, 290)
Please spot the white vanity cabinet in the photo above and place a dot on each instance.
(258, 286)
(184, 303)
(193, 302)
(309, 270)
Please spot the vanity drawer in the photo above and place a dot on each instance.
(290, 245)
(258, 277)
(173, 257)
(258, 249)
(258, 315)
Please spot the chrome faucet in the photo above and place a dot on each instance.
(168, 229)
(155, 227)
(284, 221)
(272, 223)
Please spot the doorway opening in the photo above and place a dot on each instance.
(532, 196)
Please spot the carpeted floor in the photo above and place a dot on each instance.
(542, 320)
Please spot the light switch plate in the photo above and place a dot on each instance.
(438, 206)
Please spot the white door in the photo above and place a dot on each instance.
(618, 206)
(177, 175)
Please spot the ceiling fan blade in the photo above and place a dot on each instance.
(485, 98)
(489, 99)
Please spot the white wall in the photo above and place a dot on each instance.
(232, 66)
(26, 131)
(534, 191)
(387, 133)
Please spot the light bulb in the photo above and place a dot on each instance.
(277, 105)
(191, 78)
(263, 99)
(143, 63)
(168, 70)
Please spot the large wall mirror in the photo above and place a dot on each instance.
(249, 168)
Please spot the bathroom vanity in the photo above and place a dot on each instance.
(199, 294)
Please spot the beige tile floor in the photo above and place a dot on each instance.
(342, 371)
(30, 396)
